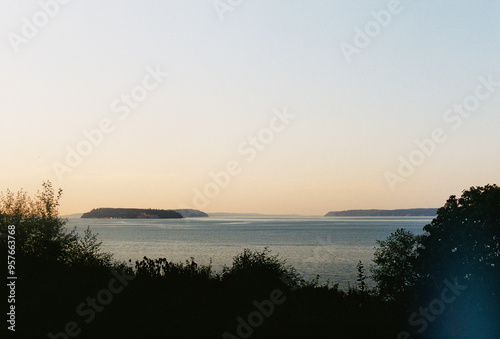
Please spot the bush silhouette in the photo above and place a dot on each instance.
(254, 269)
(163, 269)
(41, 235)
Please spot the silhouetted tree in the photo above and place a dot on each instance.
(361, 277)
(394, 263)
(463, 242)
(464, 239)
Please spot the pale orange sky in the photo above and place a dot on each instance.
(429, 73)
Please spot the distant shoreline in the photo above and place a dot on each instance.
(411, 212)
(431, 212)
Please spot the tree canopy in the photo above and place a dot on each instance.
(464, 239)
(459, 250)
(394, 263)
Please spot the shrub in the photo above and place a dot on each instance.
(164, 269)
(254, 269)
(41, 235)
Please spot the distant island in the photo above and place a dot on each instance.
(412, 212)
(190, 213)
(142, 213)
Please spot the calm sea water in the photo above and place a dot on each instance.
(330, 247)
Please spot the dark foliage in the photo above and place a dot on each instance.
(461, 247)
(61, 272)
(394, 261)
(464, 239)
(463, 243)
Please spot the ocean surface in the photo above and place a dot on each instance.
(328, 246)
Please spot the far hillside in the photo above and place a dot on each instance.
(412, 212)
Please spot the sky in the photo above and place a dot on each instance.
(278, 107)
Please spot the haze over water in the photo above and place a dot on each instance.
(330, 247)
